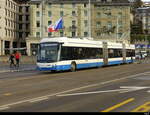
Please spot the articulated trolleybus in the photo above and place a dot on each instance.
(62, 53)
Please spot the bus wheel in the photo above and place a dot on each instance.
(73, 67)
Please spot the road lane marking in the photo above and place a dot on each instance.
(131, 76)
(86, 93)
(7, 94)
(75, 89)
(42, 97)
(123, 89)
(148, 91)
(143, 108)
(4, 108)
(118, 105)
(38, 99)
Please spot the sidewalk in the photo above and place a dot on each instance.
(23, 67)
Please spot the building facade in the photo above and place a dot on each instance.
(14, 25)
(110, 20)
(143, 16)
(24, 25)
(8, 25)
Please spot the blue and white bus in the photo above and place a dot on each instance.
(62, 53)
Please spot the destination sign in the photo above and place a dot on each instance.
(48, 45)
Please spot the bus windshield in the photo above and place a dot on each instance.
(48, 52)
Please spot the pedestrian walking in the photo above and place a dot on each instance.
(11, 60)
(17, 57)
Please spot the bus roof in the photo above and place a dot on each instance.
(84, 42)
(76, 42)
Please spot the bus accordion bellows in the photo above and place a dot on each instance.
(62, 53)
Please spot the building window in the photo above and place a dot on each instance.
(20, 17)
(119, 35)
(98, 24)
(9, 23)
(27, 9)
(6, 21)
(11, 14)
(6, 31)
(37, 34)
(98, 34)
(14, 8)
(73, 5)
(98, 15)
(37, 23)
(61, 34)
(120, 24)
(27, 33)
(20, 26)
(85, 23)
(20, 34)
(73, 13)
(27, 17)
(37, 14)
(14, 16)
(12, 33)
(9, 3)
(20, 8)
(12, 24)
(120, 14)
(61, 5)
(85, 34)
(6, 12)
(49, 22)
(85, 13)
(73, 22)
(61, 13)
(49, 5)
(73, 34)
(109, 25)
(6, 2)
(37, 5)
(49, 13)
(103, 0)
(49, 34)
(27, 26)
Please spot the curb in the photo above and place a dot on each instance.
(8, 71)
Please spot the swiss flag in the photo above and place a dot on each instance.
(58, 25)
(51, 28)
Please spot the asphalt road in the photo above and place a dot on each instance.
(123, 88)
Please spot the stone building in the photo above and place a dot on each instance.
(143, 15)
(14, 25)
(24, 25)
(8, 25)
(110, 20)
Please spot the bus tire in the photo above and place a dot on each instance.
(73, 67)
